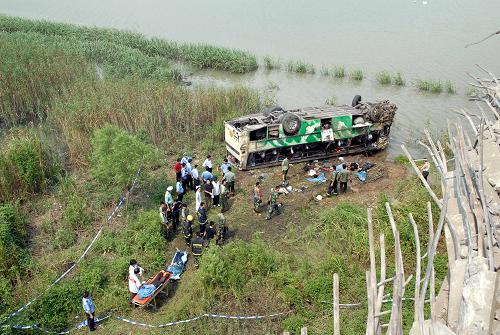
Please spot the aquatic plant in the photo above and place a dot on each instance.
(271, 63)
(450, 87)
(300, 67)
(325, 71)
(429, 85)
(332, 101)
(357, 74)
(384, 78)
(398, 79)
(339, 71)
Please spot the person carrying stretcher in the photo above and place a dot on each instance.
(197, 249)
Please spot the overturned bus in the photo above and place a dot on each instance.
(264, 139)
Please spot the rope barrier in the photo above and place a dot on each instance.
(145, 325)
(99, 232)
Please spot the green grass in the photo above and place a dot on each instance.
(300, 67)
(450, 87)
(357, 74)
(339, 71)
(384, 78)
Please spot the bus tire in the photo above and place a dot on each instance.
(356, 100)
(290, 123)
(268, 111)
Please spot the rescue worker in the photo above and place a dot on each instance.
(187, 229)
(257, 197)
(221, 229)
(197, 249)
(196, 177)
(210, 233)
(202, 217)
(223, 197)
(184, 211)
(343, 177)
(134, 284)
(169, 200)
(230, 178)
(273, 203)
(176, 214)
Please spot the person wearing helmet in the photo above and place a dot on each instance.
(187, 229)
(197, 248)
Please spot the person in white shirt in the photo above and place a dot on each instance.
(134, 284)
(196, 177)
(216, 192)
(198, 197)
(208, 164)
(133, 266)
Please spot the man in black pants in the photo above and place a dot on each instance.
(89, 308)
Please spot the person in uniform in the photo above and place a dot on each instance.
(221, 229)
(332, 186)
(343, 177)
(187, 229)
(285, 165)
(273, 203)
(197, 248)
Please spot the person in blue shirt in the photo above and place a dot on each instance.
(179, 189)
(196, 177)
(89, 308)
(206, 175)
(224, 166)
(169, 200)
(188, 179)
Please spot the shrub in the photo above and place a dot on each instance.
(339, 71)
(76, 214)
(27, 165)
(357, 74)
(384, 78)
(117, 155)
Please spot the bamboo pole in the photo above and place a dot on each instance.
(381, 287)
(370, 316)
(418, 313)
(303, 331)
(432, 294)
(373, 270)
(336, 298)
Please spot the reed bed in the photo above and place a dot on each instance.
(339, 71)
(272, 63)
(166, 114)
(198, 55)
(449, 87)
(384, 78)
(398, 79)
(429, 85)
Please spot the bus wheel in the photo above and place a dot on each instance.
(290, 123)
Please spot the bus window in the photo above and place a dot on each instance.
(273, 131)
(258, 134)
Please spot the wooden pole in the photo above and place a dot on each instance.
(336, 298)
(373, 271)
(418, 313)
(380, 294)
(370, 316)
(303, 331)
(432, 289)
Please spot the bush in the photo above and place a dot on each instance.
(76, 214)
(117, 155)
(27, 165)
(384, 78)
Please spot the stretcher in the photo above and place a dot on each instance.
(161, 280)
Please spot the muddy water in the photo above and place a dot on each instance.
(422, 39)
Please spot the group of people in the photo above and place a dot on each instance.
(339, 177)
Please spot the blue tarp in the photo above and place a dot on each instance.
(319, 179)
(146, 291)
(361, 175)
(178, 264)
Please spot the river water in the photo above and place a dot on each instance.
(421, 39)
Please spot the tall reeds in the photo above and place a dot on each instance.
(199, 55)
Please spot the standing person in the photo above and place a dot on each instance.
(185, 158)
(223, 196)
(198, 197)
(176, 214)
(206, 175)
(185, 176)
(169, 200)
(197, 249)
(425, 169)
(208, 164)
(208, 189)
(343, 177)
(184, 211)
(179, 189)
(177, 168)
(332, 187)
(216, 192)
(89, 308)
(230, 178)
(202, 218)
(285, 165)
(189, 175)
(223, 167)
(273, 203)
(133, 284)
(187, 229)
(221, 229)
(164, 213)
(257, 197)
(196, 177)
(133, 265)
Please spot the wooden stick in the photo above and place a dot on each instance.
(418, 313)
(336, 298)
(380, 294)
(419, 174)
(303, 331)
(373, 268)
(432, 294)
(370, 316)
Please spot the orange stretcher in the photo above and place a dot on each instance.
(163, 278)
